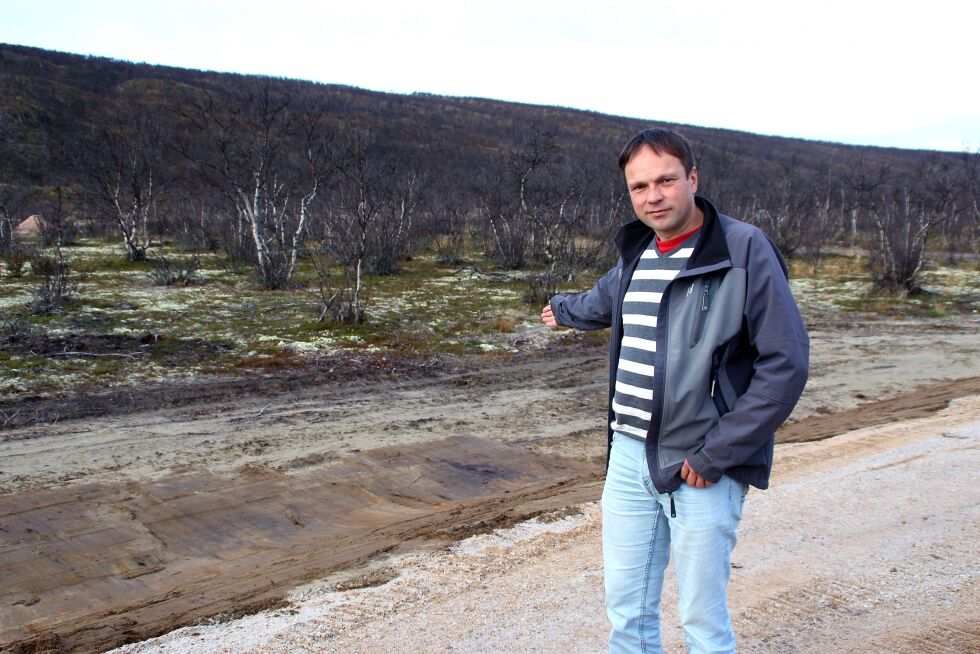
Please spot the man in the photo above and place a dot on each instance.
(708, 355)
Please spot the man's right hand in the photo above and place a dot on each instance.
(548, 316)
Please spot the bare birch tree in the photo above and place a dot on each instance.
(123, 166)
(403, 185)
(864, 183)
(904, 218)
(784, 209)
(512, 194)
(576, 228)
(267, 155)
(960, 229)
(348, 223)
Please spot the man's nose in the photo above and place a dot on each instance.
(654, 195)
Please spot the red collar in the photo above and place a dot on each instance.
(667, 246)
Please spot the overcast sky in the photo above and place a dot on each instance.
(897, 73)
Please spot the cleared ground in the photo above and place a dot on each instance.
(865, 542)
(123, 527)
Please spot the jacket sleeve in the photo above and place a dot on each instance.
(774, 327)
(591, 309)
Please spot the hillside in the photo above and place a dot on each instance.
(49, 100)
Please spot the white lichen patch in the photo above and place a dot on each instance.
(827, 294)
(14, 301)
(953, 282)
(99, 275)
(323, 345)
(88, 248)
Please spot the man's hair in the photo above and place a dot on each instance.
(661, 141)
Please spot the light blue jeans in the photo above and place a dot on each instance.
(638, 534)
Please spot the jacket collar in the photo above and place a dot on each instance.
(634, 237)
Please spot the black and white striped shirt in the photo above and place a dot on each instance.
(633, 399)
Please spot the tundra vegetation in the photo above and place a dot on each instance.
(200, 224)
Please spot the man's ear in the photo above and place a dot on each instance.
(694, 179)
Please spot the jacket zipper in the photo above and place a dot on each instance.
(657, 414)
(716, 396)
(702, 313)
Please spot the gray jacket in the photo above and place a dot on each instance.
(732, 353)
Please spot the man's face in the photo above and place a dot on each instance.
(662, 194)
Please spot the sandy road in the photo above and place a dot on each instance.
(865, 542)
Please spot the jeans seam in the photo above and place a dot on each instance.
(731, 504)
(646, 579)
(732, 526)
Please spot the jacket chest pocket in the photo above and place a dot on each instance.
(704, 298)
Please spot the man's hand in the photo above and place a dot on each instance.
(548, 316)
(692, 478)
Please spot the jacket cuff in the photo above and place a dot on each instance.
(703, 465)
(555, 303)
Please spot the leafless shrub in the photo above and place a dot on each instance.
(182, 272)
(16, 329)
(450, 248)
(14, 261)
(448, 225)
(56, 285)
(340, 299)
(540, 288)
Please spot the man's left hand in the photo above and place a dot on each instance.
(693, 478)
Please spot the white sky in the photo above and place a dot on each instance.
(897, 73)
